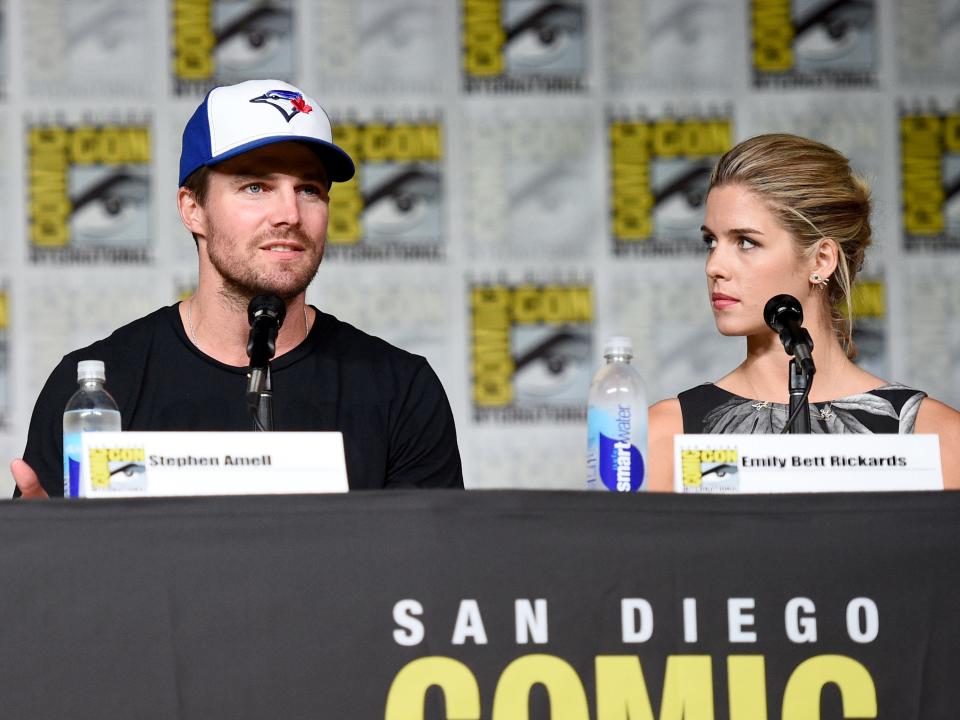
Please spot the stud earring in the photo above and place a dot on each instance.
(818, 280)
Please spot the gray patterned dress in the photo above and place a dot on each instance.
(888, 409)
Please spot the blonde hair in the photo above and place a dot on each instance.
(814, 194)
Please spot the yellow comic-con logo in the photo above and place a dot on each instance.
(709, 467)
(117, 468)
(530, 350)
(89, 192)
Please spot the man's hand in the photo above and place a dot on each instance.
(27, 480)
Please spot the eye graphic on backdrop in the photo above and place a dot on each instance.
(550, 186)
(552, 363)
(106, 207)
(544, 37)
(252, 39)
(950, 33)
(689, 20)
(951, 202)
(401, 201)
(833, 29)
(679, 193)
(99, 27)
(544, 202)
(400, 26)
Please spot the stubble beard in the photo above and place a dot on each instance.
(241, 282)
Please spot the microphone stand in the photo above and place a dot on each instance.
(260, 398)
(798, 421)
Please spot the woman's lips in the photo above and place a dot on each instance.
(721, 301)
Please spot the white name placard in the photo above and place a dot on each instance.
(805, 463)
(152, 464)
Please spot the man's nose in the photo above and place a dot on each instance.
(285, 209)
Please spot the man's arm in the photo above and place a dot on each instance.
(43, 455)
(423, 438)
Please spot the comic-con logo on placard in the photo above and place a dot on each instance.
(659, 174)
(813, 43)
(530, 351)
(220, 42)
(523, 45)
(4, 358)
(930, 179)
(392, 209)
(89, 193)
(710, 470)
(118, 469)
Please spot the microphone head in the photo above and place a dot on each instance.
(780, 309)
(267, 305)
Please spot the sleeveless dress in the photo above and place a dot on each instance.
(887, 409)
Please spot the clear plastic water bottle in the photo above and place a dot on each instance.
(617, 423)
(90, 409)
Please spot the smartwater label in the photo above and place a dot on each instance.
(72, 448)
(619, 462)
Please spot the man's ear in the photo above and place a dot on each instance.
(191, 212)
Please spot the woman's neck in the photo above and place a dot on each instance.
(763, 375)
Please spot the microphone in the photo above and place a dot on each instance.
(784, 315)
(265, 313)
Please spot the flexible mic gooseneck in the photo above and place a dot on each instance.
(265, 313)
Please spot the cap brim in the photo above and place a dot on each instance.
(338, 165)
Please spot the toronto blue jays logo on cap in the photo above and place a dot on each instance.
(223, 126)
(287, 102)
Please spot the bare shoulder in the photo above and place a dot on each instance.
(667, 413)
(941, 419)
(937, 417)
(666, 420)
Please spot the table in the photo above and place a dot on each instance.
(379, 604)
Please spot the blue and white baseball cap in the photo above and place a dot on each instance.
(234, 119)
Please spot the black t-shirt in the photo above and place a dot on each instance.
(398, 430)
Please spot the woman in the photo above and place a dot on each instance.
(788, 215)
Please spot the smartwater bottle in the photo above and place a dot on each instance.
(617, 423)
(91, 409)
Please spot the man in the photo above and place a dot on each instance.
(256, 166)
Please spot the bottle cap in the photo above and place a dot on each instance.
(90, 370)
(618, 345)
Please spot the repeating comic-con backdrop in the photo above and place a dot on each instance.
(531, 179)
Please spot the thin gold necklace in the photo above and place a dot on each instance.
(824, 412)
